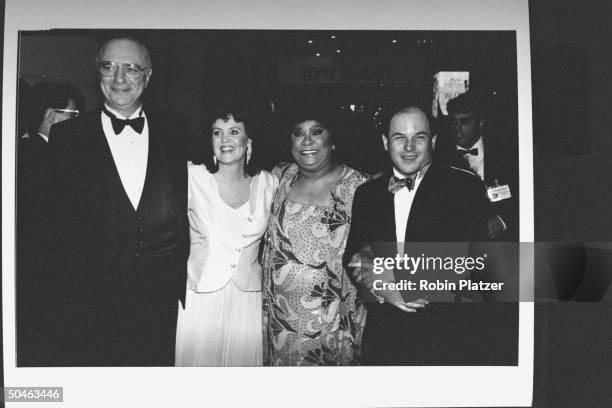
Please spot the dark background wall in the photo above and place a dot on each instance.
(195, 69)
(573, 194)
(572, 184)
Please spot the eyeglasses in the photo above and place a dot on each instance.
(73, 112)
(132, 71)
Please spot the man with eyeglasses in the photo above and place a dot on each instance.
(49, 103)
(122, 232)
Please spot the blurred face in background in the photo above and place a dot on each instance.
(68, 112)
(409, 142)
(465, 128)
(230, 141)
(311, 145)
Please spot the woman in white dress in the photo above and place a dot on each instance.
(229, 204)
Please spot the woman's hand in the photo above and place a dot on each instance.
(362, 269)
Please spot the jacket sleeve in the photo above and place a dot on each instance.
(477, 210)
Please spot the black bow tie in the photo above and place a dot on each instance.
(396, 184)
(118, 124)
(473, 152)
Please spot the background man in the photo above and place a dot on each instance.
(490, 158)
(51, 103)
(421, 200)
(122, 242)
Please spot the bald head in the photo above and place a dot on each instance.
(143, 50)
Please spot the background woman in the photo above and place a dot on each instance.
(311, 312)
(229, 202)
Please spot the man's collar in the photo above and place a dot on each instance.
(45, 137)
(478, 145)
(419, 175)
(136, 113)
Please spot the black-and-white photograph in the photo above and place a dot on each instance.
(207, 197)
(123, 211)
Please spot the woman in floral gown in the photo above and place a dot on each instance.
(312, 313)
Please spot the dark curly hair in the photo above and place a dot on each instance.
(225, 111)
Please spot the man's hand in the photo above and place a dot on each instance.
(410, 307)
(363, 273)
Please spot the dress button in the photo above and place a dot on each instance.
(233, 265)
(245, 236)
(250, 219)
(238, 249)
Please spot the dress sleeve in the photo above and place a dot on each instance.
(280, 169)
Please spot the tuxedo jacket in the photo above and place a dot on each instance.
(33, 156)
(31, 247)
(84, 173)
(500, 167)
(99, 261)
(449, 206)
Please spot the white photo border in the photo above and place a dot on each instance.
(296, 386)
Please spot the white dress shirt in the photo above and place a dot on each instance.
(45, 137)
(224, 240)
(476, 162)
(403, 203)
(130, 152)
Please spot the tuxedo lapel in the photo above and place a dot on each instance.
(386, 209)
(153, 156)
(107, 168)
(460, 162)
(421, 205)
(493, 165)
(167, 157)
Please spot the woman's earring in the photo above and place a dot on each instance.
(215, 159)
(249, 152)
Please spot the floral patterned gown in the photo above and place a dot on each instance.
(312, 314)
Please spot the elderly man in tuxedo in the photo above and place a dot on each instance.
(421, 200)
(121, 244)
